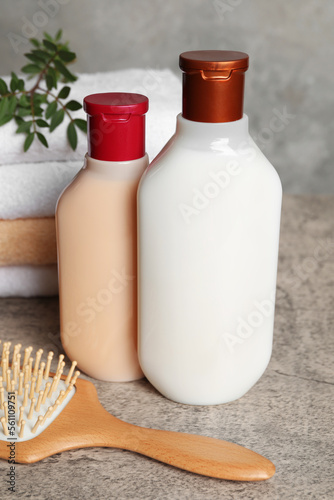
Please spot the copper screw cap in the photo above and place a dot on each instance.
(213, 85)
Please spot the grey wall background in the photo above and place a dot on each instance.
(290, 43)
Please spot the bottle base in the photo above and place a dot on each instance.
(199, 401)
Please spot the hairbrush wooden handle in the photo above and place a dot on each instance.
(194, 453)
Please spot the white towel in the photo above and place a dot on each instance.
(30, 183)
(162, 88)
(28, 281)
(29, 190)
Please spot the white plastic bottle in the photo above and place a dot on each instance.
(209, 214)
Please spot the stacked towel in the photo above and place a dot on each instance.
(30, 183)
(30, 190)
(28, 241)
(28, 281)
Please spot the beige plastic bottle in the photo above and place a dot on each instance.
(96, 237)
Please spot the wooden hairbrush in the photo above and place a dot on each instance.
(52, 402)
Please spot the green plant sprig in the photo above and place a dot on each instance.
(42, 106)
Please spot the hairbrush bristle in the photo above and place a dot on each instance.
(4, 426)
(22, 424)
(70, 373)
(27, 390)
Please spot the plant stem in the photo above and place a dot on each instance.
(58, 101)
(10, 94)
(36, 86)
(42, 73)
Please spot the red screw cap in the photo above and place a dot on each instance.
(116, 125)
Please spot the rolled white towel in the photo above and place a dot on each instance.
(162, 88)
(28, 281)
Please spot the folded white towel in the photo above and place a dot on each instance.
(30, 183)
(162, 88)
(32, 189)
(28, 281)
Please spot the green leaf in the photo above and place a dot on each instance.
(14, 82)
(12, 105)
(47, 36)
(42, 139)
(51, 109)
(73, 105)
(34, 42)
(21, 84)
(45, 56)
(72, 136)
(3, 87)
(34, 58)
(64, 46)
(67, 56)
(31, 68)
(5, 119)
(4, 106)
(48, 44)
(24, 127)
(42, 123)
(18, 120)
(24, 101)
(56, 119)
(13, 85)
(64, 71)
(38, 111)
(64, 92)
(39, 98)
(81, 124)
(51, 79)
(49, 82)
(24, 111)
(28, 142)
(58, 35)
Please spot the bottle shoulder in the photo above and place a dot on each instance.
(102, 178)
(188, 165)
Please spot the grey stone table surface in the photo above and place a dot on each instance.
(287, 416)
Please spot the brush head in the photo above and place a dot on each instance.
(31, 397)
